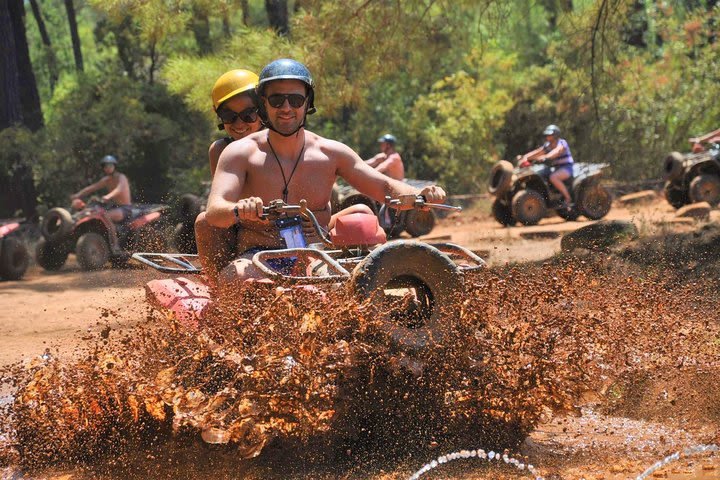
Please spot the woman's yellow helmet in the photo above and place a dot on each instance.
(233, 83)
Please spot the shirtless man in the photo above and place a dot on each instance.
(388, 161)
(235, 103)
(290, 163)
(118, 189)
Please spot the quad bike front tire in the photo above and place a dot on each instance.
(500, 177)
(184, 239)
(92, 251)
(419, 222)
(673, 166)
(431, 277)
(675, 195)
(188, 208)
(503, 213)
(705, 188)
(14, 258)
(51, 256)
(528, 207)
(359, 199)
(595, 201)
(56, 225)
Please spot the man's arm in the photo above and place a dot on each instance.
(556, 152)
(707, 136)
(376, 160)
(391, 162)
(90, 188)
(227, 185)
(533, 154)
(373, 183)
(123, 187)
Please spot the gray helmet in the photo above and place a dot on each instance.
(287, 69)
(552, 130)
(108, 159)
(387, 138)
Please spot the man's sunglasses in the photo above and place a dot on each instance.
(276, 100)
(249, 115)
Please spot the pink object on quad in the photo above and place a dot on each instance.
(357, 229)
(8, 228)
(188, 300)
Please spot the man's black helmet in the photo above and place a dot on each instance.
(108, 159)
(552, 130)
(288, 69)
(387, 138)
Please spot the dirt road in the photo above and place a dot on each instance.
(56, 310)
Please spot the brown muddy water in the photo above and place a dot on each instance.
(584, 368)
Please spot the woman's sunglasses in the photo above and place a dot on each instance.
(276, 100)
(249, 115)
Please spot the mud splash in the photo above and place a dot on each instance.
(312, 374)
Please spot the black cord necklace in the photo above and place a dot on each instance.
(282, 172)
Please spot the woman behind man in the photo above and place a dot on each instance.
(235, 103)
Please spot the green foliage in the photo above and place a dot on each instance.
(452, 127)
(151, 132)
(461, 83)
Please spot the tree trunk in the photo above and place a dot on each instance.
(245, 12)
(200, 25)
(50, 57)
(10, 108)
(72, 21)
(277, 12)
(19, 103)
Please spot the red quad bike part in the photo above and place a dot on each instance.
(357, 229)
(188, 300)
(8, 228)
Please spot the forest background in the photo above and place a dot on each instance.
(461, 83)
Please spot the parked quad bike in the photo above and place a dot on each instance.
(415, 222)
(95, 238)
(354, 253)
(14, 257)
(693, 177)
(525, 194)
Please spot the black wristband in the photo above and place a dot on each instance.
(236, 211)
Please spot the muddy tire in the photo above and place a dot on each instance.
(673, 166)
(51, 256)
(419, 223)
(503, 213)
(599, 236)
(528, 207)
(184, 239)
(500, 177)
(188, 208)
(595, 201)
(418, 320)
(92, 251)
(14, 258)
(705, 188)
(675, 195)
(56, 225)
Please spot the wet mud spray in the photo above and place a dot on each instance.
(583, 368)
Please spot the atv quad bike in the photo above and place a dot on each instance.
(425, 276)
(693, 177)
(95, 238)
(14, 257)
(415, 222)
(524, 194)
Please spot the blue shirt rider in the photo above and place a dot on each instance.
(557, 150)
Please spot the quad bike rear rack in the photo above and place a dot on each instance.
(163, 262)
